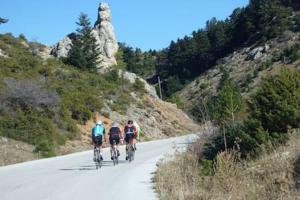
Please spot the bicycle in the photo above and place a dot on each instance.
(131, 152)
(115, 153)
(97, 154)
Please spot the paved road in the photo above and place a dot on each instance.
(75, 177)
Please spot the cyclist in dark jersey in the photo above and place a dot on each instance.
(130, 134)
(114, 135)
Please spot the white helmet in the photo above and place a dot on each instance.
(99, 122)
(114, 124)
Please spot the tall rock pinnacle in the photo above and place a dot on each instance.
(105, 38)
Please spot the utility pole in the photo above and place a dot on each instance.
(159, 85)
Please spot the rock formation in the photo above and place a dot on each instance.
(132, 77)
(62, 48)
(103, 32)
(105, 36)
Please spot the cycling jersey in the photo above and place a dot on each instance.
(98, 130)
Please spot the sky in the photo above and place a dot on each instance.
(144, 24)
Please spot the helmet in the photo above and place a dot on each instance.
(114, 124)
(130, 122)
(99, 122)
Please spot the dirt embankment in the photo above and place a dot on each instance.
(12, 151)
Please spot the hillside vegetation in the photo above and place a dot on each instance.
(187, 58)
(248, 102)
(43, 100)
(52, 105)
(272, 176)
(248, 153)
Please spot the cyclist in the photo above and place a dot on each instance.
(139, 132)
(114, 135)
(130, 134)
(98, 133)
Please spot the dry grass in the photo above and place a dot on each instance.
(272, 176)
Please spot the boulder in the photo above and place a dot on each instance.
(257, 53)
(132, 77)
(62, 48)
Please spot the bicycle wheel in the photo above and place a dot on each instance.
(131, 153)
(98, 158)
(114, 157)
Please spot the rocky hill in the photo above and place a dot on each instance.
(246, 67)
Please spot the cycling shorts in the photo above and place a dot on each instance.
(128, 137)
(97, 140)
(117, 139)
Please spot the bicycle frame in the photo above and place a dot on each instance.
(98, 157)
(131, 152)
(115, 153)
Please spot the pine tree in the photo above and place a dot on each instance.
(84, 53)
(2, 20)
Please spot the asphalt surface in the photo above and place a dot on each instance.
(75, 176)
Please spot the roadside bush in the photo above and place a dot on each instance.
(236, 137)
(276, 104)
(45, 148)
(273, 109)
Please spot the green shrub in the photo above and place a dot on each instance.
(227, 104)
(276, 104)
(297, 22)
(139, 86)
(112, 76)
(273, 109)
(122, 103)
(291, 54)
(175, 98)
(206, 167)
(45, 148)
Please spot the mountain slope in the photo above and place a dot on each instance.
(246, 67)
(45, 102)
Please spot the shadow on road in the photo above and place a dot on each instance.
(93, 166)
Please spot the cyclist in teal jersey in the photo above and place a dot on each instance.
(98, 133)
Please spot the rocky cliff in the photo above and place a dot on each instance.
(105, 36)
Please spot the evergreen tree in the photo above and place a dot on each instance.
(84, 53)
(2, 20)
(227, 104)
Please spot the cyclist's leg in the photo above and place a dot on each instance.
(134, 142)
(117, 146)
(94, 153)
(127, 140)
(100, 147)
(111, 148)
